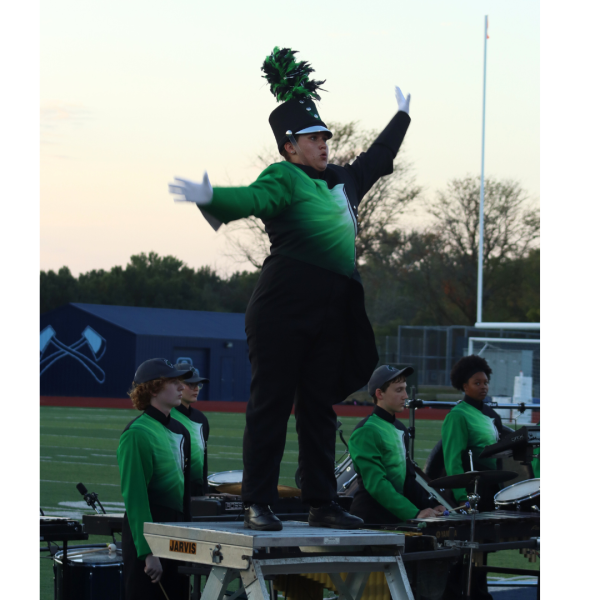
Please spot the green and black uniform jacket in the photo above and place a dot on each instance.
(388, 491)
(311, 217)
(154, 462)
(470, 425)
(196, 423)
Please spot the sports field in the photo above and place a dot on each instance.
(80, 445)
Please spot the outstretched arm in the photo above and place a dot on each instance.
(378, 160)
(270, 194)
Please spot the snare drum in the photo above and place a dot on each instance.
(523, 496)
(225, 478)
(90, 573)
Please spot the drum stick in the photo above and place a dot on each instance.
(111, 548)
(163, 590)
(465, 505)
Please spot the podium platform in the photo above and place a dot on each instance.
(233, 551)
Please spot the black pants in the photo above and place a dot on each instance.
(138, 586)
(296, 327)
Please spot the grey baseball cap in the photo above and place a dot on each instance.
(155, 368)
(381, 375)
(195, 377)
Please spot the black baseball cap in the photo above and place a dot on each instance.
(381, 375)
(155, 368)
(195, 377)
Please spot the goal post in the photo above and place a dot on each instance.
(509, 358)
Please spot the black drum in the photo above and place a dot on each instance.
(522, 496)
(90, 573)
(345, 475)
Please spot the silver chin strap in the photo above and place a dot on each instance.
(292, 139)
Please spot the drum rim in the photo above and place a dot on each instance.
(344, 466)
(216, 484)
(118, 561)
(521, 498)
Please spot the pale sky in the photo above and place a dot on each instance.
(134, 93)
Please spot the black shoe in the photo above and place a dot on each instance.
(261, 518)
(333, 515)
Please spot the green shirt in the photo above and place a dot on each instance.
(466, 428)
(198, 445)
(151, 461)
(305, 220)
(378, 452)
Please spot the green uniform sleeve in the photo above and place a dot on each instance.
(365, 450)
(454, 442)
(135, 466)
(268, 196)
(535, 463)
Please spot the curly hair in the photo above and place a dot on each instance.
(465, 368)
(387, 384)
(141, 394)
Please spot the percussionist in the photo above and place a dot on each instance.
(471, 425)
(196, 423)
(154, 460)
(388, 491)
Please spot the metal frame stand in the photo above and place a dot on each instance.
(253, 556)
(358, 569)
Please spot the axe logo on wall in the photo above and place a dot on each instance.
(87, 350)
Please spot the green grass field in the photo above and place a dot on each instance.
(80, 445)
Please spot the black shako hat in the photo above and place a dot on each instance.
(381, 375)
(290, 84)
(295, 117)
(155, 368)
(195, 377)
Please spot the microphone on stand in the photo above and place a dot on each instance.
(90, 497)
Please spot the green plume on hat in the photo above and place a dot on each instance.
(287, 78)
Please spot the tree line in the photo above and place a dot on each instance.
(425, 276)
(149, 280)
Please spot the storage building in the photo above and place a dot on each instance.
(92, 350)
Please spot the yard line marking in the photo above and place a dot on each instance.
(71, 456)
(85, 464)
(83, 418)
(105, 428)
(79, 437)
(64, 447)
(239, 448)
(239, 457)
(76, 482)
(219, 454)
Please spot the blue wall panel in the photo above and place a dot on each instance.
(93, 351)
(82, 355)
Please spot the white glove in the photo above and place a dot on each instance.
(403, 103)
(190, 191)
